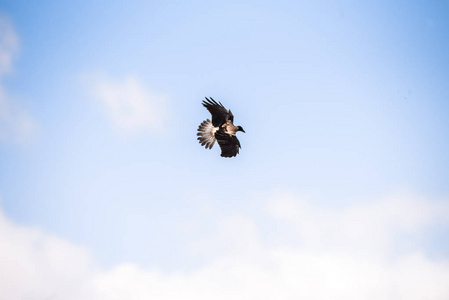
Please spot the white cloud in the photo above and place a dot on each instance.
(368, 228)
(16, 124)
(130, 106)
(38, 266)
(9, 45)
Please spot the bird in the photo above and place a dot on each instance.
(220, 129)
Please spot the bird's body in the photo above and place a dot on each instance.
(220, 129)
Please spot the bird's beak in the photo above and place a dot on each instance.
(243, 130)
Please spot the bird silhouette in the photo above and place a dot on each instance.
(220, 129)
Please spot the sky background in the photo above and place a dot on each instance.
(340, 190)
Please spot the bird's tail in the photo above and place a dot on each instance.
(206, 134)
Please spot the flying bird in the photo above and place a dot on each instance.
(220, 129)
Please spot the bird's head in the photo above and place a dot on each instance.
(239, 128)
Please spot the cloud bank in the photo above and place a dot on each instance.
(16, 124)
(343, 254)
(129, 105)
(36, 265)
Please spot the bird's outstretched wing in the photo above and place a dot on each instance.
(229, 144)
(219, 113)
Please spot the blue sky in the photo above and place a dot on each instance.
(344, 106)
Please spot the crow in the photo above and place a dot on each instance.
(220, 129)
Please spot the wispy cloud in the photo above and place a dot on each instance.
(16, 124)
(369, 228)
(38, 266)
(131, 107)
